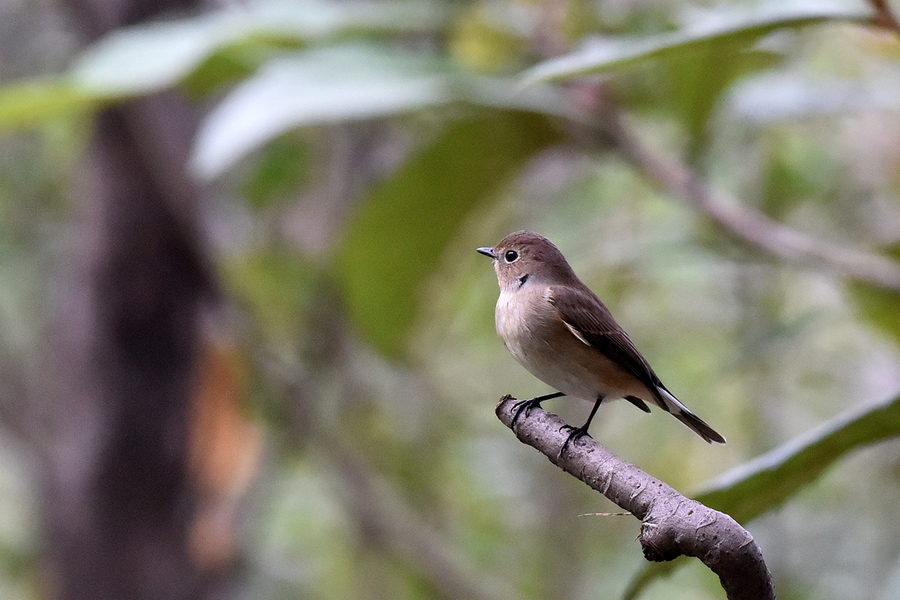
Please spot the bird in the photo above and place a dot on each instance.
(560, 331)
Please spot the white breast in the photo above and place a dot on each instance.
(512, 324)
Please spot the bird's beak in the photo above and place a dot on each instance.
(487, 252)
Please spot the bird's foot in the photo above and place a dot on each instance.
(576, 434)
(525, 406)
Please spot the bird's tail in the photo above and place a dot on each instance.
(695, 423)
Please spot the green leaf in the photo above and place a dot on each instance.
(227, 66)
(393, 244)
(742, 26)
(275, 285)
(30, 103)
(768, 481)
(281, 170)
(147, 58)
(693, 82)
(880, 306)
(327, 85)
(345, 83)
(215, 48)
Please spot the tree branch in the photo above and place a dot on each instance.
(734, 217)
(884, 17)
(671, 524)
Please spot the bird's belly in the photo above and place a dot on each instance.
(573, 374)
(550, 352)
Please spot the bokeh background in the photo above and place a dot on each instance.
(247, 348)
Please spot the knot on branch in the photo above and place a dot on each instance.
(691, 530)
(657, 547)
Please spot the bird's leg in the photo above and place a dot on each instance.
(579, 432)
(527, 405)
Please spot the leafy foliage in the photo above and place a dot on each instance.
(392, 242)
(879, 305)
(717, 30)
(485, 154)
(147, 58)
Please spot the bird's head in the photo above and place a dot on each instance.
(525, 256)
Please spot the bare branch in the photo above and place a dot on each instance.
(884, 16)
(671, 524)
(724, 209)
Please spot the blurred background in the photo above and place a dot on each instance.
(247, 348)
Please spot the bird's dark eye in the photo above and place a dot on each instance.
(511, 256)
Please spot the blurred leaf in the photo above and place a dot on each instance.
(696, 78)
(766, 482)
(147, 58)
(29, 103)
(699, 62)
(880, 306)
(345, 83)
(773, 97)
(320, 86)
(394, 242)
(225, 67)
(275, 285)
(505, 93)
(281, 170)
(201, 52)
(743, 27)
(493, 37)
(650, 573)
(797, 169)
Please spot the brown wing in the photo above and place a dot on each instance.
(591, 321)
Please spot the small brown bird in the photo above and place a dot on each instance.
(558, 329)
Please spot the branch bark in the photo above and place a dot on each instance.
(671, 524)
